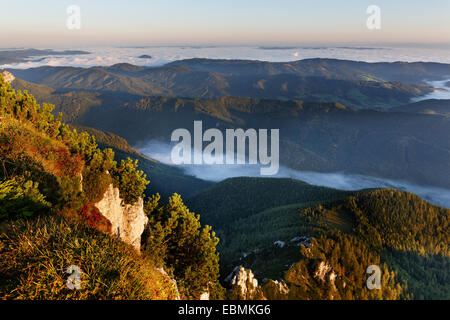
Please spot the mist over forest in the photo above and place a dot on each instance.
(161, 151)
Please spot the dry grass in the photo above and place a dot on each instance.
(34, 256)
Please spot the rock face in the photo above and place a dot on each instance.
(276, 290)
(302, 241)
(279, 243)
(244, 284)
(204, 296)
(324, 272)
(281, 286)
(8, 76)
(128, 221)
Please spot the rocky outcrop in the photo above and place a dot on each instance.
(128, 221)
(275, 290)
(8, 76)
(204, 296)
(325, 273)
(244, 284)
(302, 241)
(279, 243)
(281, 286)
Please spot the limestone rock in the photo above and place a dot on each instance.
(128, 221)
(204, 296)
(244, 284)
(281, 286)
(324, 272)
(279, 243)
(275, 290)
(302, 241)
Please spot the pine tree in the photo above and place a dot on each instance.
(175, 236)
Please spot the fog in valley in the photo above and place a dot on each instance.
(441, 90)
(161, 151)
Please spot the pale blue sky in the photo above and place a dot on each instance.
(26, 23)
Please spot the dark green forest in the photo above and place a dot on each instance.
(406, 236)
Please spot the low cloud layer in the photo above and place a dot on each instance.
(161, 151)
(106, 56)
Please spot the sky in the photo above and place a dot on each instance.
(30, 23)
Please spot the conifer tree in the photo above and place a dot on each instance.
(174, 234)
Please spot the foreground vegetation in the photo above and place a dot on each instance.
(35, 255)
(51, 176)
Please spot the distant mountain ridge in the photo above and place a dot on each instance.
(408, 72)
(324, 137)
(355, 84)
(23, 55)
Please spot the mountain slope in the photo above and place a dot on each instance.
(408, 72)
(355, 84)
(325, 137)
(95, 79)
(431, 106)
(250, 213)
(293, 237)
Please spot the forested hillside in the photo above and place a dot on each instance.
(414, 72)
(401, 230)
(284, 229)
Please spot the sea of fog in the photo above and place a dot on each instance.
(344, 181)
(105, 56)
